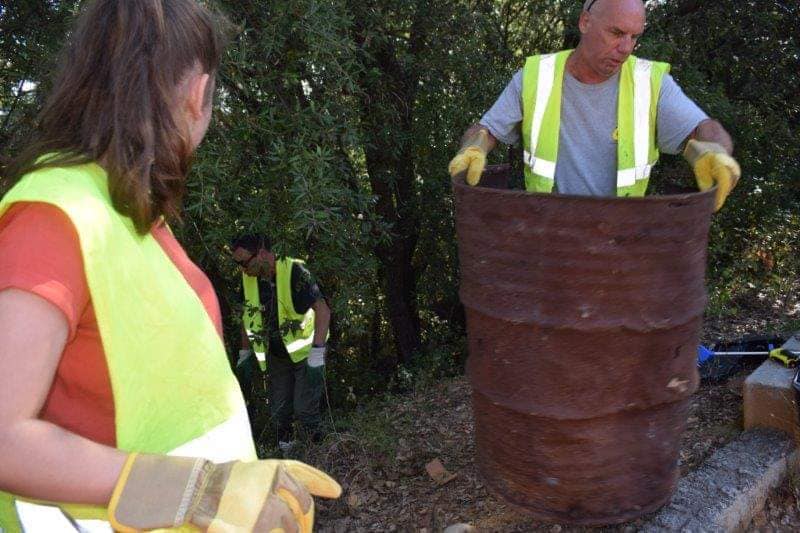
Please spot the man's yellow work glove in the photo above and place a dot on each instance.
(159, 491)
(712, 166)
(471, 157)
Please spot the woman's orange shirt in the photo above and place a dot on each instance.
(40, 253)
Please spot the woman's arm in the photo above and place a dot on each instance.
(39, 459)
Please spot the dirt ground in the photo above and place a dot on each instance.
(387, 488)
(782, 511)
(380, 454)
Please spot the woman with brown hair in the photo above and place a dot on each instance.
(117, 403)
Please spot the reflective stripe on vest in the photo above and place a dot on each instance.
(48, 518)
(297, 331)
(637, 152)
(172, 385)
(541, 158)
(252, 320)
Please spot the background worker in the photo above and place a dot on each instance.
(286, 322)
(117, 402)
(593, 120)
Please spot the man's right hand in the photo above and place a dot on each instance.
(159, 491)
(471, 157)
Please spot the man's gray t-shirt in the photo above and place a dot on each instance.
(587, 153)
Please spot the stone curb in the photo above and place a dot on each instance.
(731, 486)
(770, 400)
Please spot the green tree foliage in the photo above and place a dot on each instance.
(335, 121)
(740, 60)
(31, 32)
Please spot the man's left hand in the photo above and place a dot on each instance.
(712, 166)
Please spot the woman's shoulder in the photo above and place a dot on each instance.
(40, 253)
(39, 232)
(36, 220)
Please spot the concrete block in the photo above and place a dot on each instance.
(770, 400)
(730, 487)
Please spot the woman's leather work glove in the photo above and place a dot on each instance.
(160, 491)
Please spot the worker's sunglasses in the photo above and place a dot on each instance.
(590, 5)
(244, 262)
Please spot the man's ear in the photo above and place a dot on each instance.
(583, 22)
(196, 97)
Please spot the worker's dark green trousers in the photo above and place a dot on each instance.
(290, 393)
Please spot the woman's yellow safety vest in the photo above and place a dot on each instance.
(637, 152)
(297, 331)
(174, 392)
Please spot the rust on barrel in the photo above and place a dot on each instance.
(583, 320)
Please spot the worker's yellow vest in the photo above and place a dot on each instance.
(296, 330)
(637, 151)
(174, 392)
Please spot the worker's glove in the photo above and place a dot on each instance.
(160, 491)
(315, 366)
(471, 157)
(712, 166)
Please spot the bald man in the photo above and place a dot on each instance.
(593, 120)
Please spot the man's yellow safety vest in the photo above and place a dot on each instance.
(173, 389)
(297, 331)
(637, 152)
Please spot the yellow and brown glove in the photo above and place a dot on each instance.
(471, 157)
(712, 166)
(159, 491)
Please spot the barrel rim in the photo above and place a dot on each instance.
(459, 183)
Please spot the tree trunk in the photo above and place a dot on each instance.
(387, 105)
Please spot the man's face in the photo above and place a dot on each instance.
(609, 32)
(260, 264)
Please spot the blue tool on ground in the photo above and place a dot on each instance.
(706, 354)
(735, 355)
(787, 354)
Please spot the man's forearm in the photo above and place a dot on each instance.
(322, 321)
(321, 324)
(473, 130)
(710, 130)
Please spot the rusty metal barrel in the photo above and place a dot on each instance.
(583, 320)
